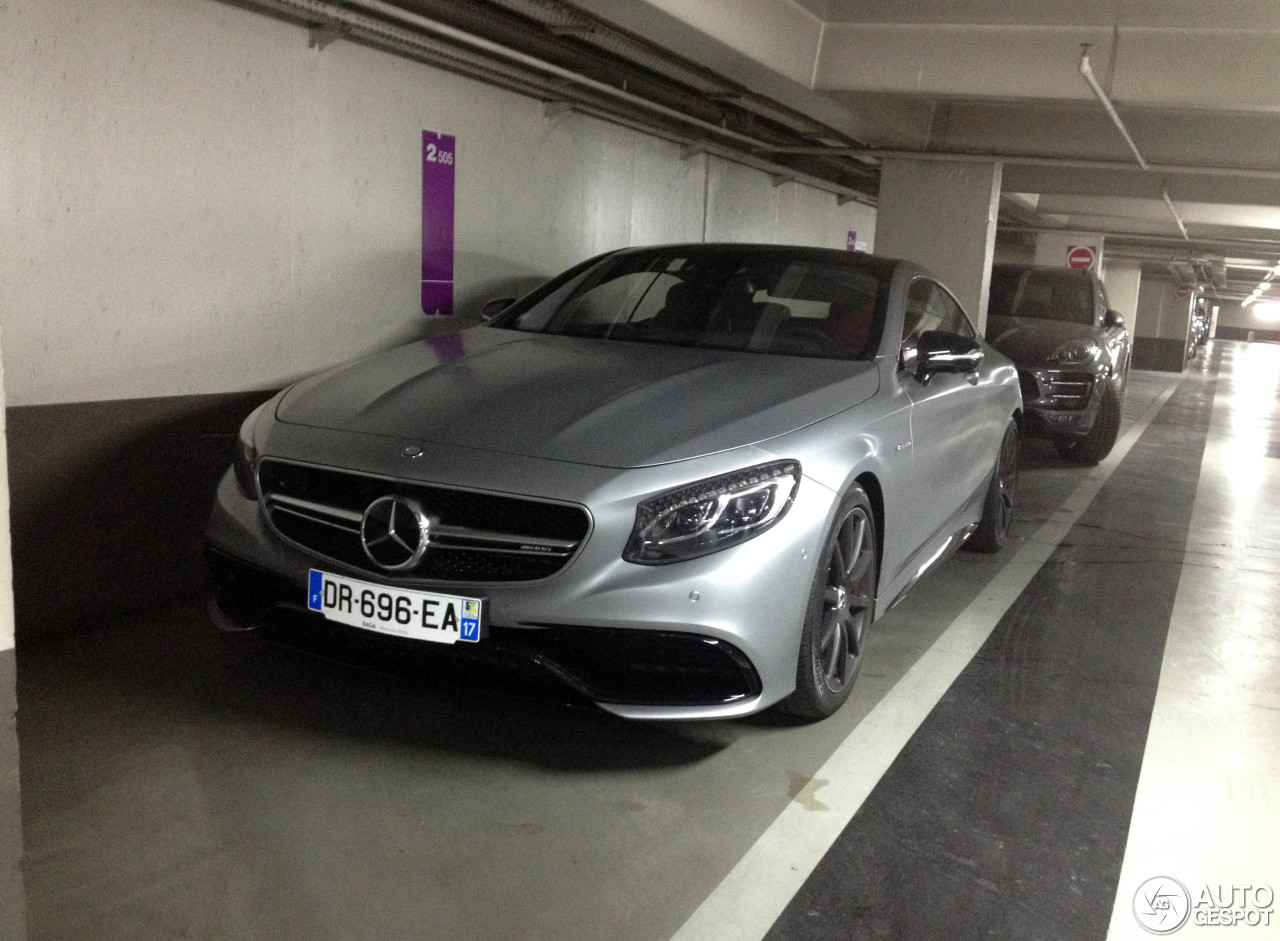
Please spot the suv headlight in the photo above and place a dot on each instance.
(712, 514)
(247, 455)
(1082, 350)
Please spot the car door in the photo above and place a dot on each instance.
(950, 424)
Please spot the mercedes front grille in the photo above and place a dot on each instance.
(473, 537)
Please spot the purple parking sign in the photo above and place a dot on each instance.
(437, 223)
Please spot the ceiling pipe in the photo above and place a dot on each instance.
(1266, 247)
(1087, 71)
(1025, 160)
(347, 13)
(416, 30)
(426, 47)
(1176, 218)
(691, 148)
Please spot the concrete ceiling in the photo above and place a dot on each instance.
(1195, 82)
(823, 91)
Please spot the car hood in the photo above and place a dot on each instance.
(586, 401)
(1028, 341)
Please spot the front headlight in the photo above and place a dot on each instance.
(712, 514)
(1082, 350)
(247, 455)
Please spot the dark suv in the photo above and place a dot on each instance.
(1072, 353)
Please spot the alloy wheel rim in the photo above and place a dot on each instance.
(846, 600)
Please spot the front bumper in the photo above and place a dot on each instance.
(610, 666)
(713, 637)
(1061, 402)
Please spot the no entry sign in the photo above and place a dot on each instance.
(1080, 257)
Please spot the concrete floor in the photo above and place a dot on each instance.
(181, 783)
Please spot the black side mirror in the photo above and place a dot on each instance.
(1113, 319)
(494, 307)
(939, 351)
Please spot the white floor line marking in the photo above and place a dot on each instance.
(1207, 807)
(754, 893)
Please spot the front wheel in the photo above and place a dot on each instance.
(841, 606)
(997, 509)
(1101, 438)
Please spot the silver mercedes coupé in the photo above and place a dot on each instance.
(684, 480)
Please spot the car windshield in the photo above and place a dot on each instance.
(1040, 295)
(762, 300)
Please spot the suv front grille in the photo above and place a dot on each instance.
(1064, 391)
(474, 537)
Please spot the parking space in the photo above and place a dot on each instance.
(184, 783)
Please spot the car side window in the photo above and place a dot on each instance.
(930, 306)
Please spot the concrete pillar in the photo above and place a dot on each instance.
(1070, 250)
(12, 907)
(1163, 327)
(942, 215)
(1124, 281)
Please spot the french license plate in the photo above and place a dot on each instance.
(422, 615)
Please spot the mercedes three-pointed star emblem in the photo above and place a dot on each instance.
(394, 532)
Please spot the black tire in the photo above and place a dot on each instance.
(841, 606)
(997, 509)
(1101, 438)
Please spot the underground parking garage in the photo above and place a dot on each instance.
(208, 202)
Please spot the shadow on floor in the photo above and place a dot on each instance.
(176, 664)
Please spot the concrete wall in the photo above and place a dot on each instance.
(205, 204)
(1162, 329)
(943, 215)
(206, 209)
(1124, 281)
(12, 907)
(1236, 322)
(1014, 254)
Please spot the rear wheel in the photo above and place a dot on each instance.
(997, 509)
(1101, 438)
(841, 606)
